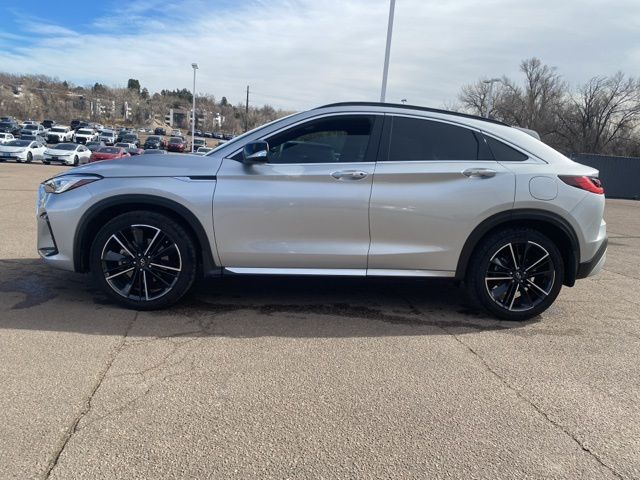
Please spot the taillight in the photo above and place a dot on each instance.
(590, 184)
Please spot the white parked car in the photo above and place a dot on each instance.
(28, 122)
(125, 145)
(59, 134)
(107, 136)
(85, 135)
(6, 137)
(68, 154)
(22, 151)
(203, 150)
(32, 129)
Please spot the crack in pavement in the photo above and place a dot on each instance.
(524, 398)
(73, 428)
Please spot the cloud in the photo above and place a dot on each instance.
(301, 53)
(48, 29)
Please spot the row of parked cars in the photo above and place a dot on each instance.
(94, 136)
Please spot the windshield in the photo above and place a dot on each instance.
(17, 143)
(66, 146)
(107, 133)
(59, 130)
(30, 127)
(237, 139)
(83, 131)
(125, 145)
(153, 139)
(175, 140)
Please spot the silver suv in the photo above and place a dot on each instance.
(360, 189)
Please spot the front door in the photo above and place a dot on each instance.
(308, 206)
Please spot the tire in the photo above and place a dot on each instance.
(46, 162)
(515, 274)
(75, 161)
(29, 157)
(139, 279)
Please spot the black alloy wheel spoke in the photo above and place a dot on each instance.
(520, 275)
(141, 262)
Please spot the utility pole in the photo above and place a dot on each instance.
(387, 52)
(246, 112)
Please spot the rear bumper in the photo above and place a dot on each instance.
(593, 266)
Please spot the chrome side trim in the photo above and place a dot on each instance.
(355, 272)
(384, 272)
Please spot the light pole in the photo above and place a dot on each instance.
(491, 97)
(387, 52)
(193, 112)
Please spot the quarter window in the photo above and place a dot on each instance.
(326, 140)
(503, 152)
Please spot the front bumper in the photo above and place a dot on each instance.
(61, 159)
(57, 217)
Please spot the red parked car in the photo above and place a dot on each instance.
(108, 153)
(177, 144)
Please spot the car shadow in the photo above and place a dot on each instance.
(35, 296)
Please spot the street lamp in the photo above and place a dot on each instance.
(490, 82)
(193, 111)
(387, 52)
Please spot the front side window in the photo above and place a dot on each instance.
(326, 140)
(415, 139)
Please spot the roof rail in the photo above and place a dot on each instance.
(411, 107)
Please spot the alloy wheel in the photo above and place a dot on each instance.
(520, 276)
(141, 262)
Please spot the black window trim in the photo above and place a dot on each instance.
(373, 149)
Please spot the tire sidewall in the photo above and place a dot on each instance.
(480, 266)
(176, 232)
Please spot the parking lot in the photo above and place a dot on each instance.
(254, 377)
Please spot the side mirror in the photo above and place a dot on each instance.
(255, 152)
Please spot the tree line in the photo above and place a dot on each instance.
(599, 116)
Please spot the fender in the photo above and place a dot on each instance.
(134, 201)
(519, 215)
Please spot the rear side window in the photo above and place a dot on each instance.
(503, 152)
(414, 139)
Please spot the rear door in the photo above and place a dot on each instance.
(435, 181)
(308, 206)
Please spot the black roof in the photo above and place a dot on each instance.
(410, 107)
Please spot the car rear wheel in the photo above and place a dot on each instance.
(516, 274)
(75, 161)
(143, 260)
(29, 157)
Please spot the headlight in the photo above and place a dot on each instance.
(68, 182)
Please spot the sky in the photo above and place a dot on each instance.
(297, 54)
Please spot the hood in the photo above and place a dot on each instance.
(59, 152)
(4, 148)
(159, 165)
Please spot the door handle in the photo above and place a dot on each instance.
(349, 174)
(479, 172)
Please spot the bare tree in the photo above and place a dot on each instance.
(601, 117)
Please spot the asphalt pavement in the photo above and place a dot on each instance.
(263, 377)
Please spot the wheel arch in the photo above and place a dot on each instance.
(104, 210)
(548, 223)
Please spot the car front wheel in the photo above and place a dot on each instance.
(516, 273)
(143, 260)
